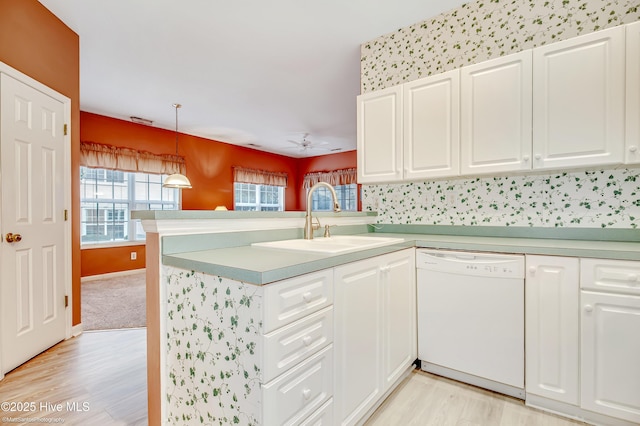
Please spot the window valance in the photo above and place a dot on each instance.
(336, 177)
(259, 177)
(110, 157)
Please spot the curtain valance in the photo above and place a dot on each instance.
(259, 177)
(110, 157)
(336, 177)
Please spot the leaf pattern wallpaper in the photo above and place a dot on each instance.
(475, 32)
(213, 361)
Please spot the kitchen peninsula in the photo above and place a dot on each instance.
(215, 304)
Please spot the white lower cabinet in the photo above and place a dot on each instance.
(610, 345)
(552, 328)
(297, 363)
(296, 394)
(375, 338)
(583, 338)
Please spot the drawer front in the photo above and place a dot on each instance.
(295, 342)
(322, 417)
(618, 276)
(296, 394)
(290, 300)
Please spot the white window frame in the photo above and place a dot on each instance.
(341, 191)
(259, 204)
(132, 228)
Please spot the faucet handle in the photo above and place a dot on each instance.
(317, 225)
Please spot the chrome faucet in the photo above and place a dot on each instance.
(309, 226)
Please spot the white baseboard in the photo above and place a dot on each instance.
(111, 275)
(573, 412)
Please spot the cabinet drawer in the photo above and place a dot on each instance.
(296, 394)
(322, 417)
(619, 276)
(290, 300)
(293, 343)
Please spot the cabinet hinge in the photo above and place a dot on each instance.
(66, 215)
(65, 130)
(66, 301)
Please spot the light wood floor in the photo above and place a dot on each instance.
(106, 370)
(426, 399)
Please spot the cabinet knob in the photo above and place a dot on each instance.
(632, 277)
(385, 269)
(538, 156)
(306, 394)
(633, 148)
(306, 340)
(526, 158)
(307, 297)
(588, 308)
(532, 270)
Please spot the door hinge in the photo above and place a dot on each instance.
(65, 130)
(66, 301)
(66, 214)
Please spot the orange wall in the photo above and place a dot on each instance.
(209, 163)
(37, 43)
(112, 259)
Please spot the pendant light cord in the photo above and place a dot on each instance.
(176, 106)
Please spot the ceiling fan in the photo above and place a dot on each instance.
(305, 145)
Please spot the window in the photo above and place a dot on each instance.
(108, 196)
(251, 197)
(347, 198)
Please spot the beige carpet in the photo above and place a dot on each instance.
(112, 303)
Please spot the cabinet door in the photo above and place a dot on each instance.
(496, 115)
(552, 328)
(632, 151)
(398, 275)
(610, 371)
(357, 339)
(379, 143)
(579, 101)
(431, 133)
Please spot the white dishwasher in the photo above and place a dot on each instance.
(471, 318)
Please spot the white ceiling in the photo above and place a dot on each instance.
(245, 71)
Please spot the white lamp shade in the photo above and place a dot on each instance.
(176, 181)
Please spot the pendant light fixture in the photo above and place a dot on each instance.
(176, 180)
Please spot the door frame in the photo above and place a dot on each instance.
(29, 81)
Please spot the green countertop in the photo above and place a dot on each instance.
(257, 265)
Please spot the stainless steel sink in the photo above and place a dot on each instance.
(337, 244)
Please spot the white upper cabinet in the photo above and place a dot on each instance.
(632, 151)
(496, 115)
(579, 101)
(432, 126)
(574, 103)
(379, 141)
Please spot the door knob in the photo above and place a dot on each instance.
(13, 238)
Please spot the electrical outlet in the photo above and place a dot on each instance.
(134, 255)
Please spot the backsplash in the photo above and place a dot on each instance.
(476, 32)
(591, 199)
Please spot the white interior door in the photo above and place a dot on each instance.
(32, 173)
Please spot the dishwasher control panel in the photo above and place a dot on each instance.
(471, 263)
